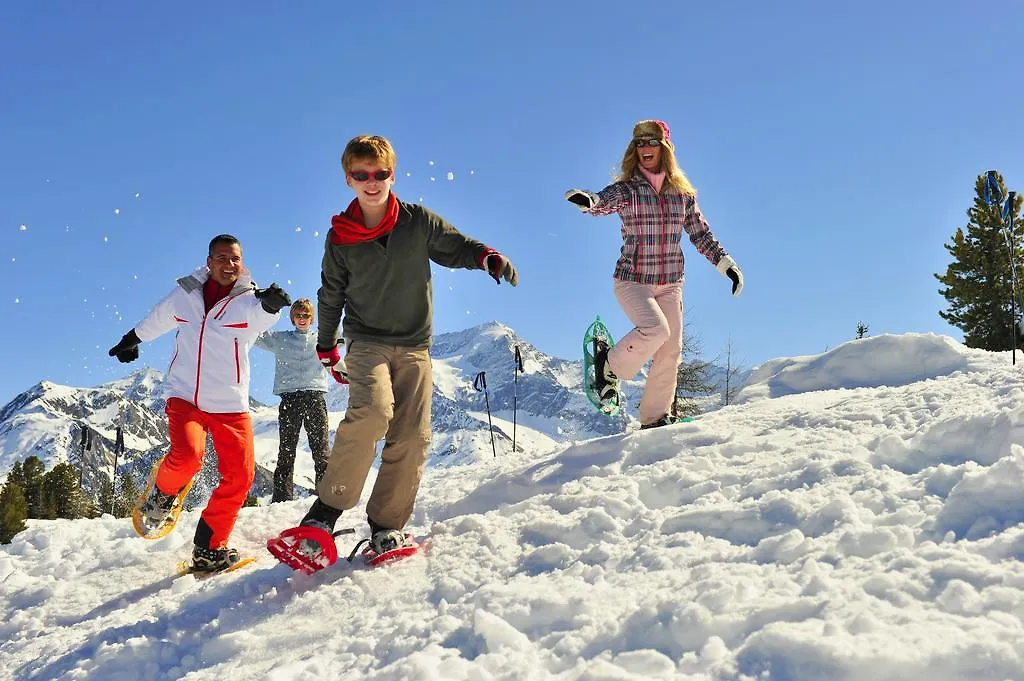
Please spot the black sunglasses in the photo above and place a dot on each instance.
(363, 176)
(642, 142)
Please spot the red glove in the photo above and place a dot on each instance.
(340, 375)
(500, 267)
(332, 361)
(328, 357)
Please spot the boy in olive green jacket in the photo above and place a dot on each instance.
(376, 270)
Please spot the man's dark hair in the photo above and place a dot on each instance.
(223, 239)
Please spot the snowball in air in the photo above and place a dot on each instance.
(117, 211)
(451, 176)
(24, 228)
(297, 228)
(430, 162)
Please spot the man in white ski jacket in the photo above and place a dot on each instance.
(217, 312)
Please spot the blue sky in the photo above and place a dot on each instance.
(834, 150)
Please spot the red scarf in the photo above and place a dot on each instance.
(348, 228)
(214, 292)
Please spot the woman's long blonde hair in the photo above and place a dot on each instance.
(674, 175)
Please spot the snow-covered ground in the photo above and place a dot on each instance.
(857, 516)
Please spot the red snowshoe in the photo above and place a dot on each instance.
(305, 548)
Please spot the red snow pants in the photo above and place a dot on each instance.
(236, 461)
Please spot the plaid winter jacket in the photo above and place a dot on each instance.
(652, 227)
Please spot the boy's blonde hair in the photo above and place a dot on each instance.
(304, 304)
(369, 148)
(674, 176)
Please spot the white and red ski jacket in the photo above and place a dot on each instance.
(210, 366)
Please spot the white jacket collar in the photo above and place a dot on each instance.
(198, 277)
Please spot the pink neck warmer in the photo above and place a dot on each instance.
(656, 179)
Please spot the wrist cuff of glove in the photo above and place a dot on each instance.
(488, 252)
(130, 338)
(724, 264)
(328, 356)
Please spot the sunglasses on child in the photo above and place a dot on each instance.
(642, 142)
(302, 315)
(363, 176)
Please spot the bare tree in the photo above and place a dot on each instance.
(691, 379)
(732, 375)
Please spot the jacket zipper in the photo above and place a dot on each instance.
(199, 360)
(238, 367)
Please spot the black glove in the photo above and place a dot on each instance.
(728, 267)
(273, 298)
(737, 280)
(500, 267)
(128, 349)
(583, 199)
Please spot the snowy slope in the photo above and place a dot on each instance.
(865, 524)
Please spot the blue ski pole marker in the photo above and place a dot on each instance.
(993, 194)
(1008, 206)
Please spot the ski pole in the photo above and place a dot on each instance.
(480, 383)
(118, 448)
(993, 195)
(1007, 216)
(515, 393)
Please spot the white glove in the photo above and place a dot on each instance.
(728, 267)
(582, 199)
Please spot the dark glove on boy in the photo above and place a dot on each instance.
(273, 298)
(500, 267)
(127, 350)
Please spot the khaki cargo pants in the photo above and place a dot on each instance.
(389, 397)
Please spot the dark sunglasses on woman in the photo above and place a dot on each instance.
(642, 142)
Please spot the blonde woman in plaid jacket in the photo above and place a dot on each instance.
(656, 204)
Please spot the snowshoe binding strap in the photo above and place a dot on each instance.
(359, 544)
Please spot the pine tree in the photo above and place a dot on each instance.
(17, 475)
(862, 330)
(127, 496)
(13, 511)
(34, 471)
(977, 284)
(63, 497)
(106, 502)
